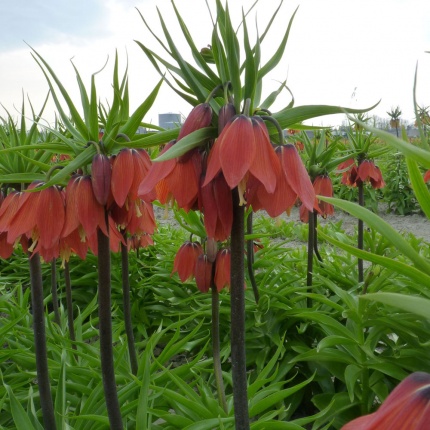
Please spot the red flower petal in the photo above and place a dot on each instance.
(406, 408)
(296, 174)
(199, 117)
(122, 175)
(222, 269)
(185, 260)
(237, 150)
(265, 166)
(50, 216)
(158, 171)
(203, 273)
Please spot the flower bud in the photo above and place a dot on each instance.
(203, 273)
(101, 173)
(226, 113)
(211, 249)
(199, 117)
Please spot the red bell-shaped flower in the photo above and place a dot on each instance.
(324, 187)
(367, 171)
(199, 117)
(185, 260)
(83, 211)
(406, 408)
(101, 173)
(222, 269)
(129, 168)
(203, 273)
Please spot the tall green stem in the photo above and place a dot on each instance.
(360, 232)
(216, 348)
(237, 281)
(105, 330)
(127, 308)
(40, 343)
(54, 291)
(69, 303)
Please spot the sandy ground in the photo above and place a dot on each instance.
(416, 224)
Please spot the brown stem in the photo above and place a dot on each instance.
(127, 308)
(105, 330)
(40, 343)
(237, 281)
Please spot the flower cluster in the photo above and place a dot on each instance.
(323, 186)
(242, 158)
(366, 171)
(57, 222)
(191, 261)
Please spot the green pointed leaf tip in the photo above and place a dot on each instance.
(194, 139)
(414, 304)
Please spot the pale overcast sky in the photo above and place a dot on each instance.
(340, 52)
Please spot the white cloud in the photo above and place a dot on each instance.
(336, 47)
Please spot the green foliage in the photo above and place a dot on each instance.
(398, 192)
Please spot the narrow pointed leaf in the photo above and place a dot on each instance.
(277, 56)
(396, 266)
(194, 139)
(414, 304)
(383, 228)
(419, 186)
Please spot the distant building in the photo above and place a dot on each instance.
(169, 120)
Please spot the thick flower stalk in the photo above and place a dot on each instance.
(357, 175)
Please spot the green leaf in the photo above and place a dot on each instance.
(251, 67)
(267, 402)
(289, 116)
(60, 398)
(417, 305)
(20, 417)
(271, 98)
(79, 129)
(352, 375)
(419, 186)
(209, 424)
(394, 265)
(233, 59)
(191, 141)
(277, 56)
(133, 123)
(196, 53)
(142, 407)
(275, 425)
(384, 228)
(419, 155)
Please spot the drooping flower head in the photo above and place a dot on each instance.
(38, 215)
(368, 172)
(292, 182)
(349, 172)
(242, 150)
(406, 408)
(179, 178)
(186, 259)
(222, 269)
